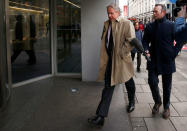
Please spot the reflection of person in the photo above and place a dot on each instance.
(32, 58)
(160, 34)
(47, 28)
(115, 62)
(134, 51)
(21, 42)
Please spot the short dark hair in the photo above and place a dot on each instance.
(163, 6)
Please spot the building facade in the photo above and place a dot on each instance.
(46, 38)
(141, 9)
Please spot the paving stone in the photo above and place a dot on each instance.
(138, 124)
(146, 88)
(177, 76)
(142, 74)
(158, 124)
(172, 110)
(174, 89)
(180, 123)
(144, 98)
(139, 81)
(141, 110)
(139, 89)
(181, 96)
(181, 108)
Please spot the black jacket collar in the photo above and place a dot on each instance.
(161, 20)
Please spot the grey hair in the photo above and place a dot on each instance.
(163, 6)
(114, 6)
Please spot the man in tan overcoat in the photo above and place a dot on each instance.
(116, 65)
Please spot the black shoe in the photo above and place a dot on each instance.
(155, 109)
(130, 107)
(96, 120)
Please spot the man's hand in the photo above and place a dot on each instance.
(182, 12)
(147, 53)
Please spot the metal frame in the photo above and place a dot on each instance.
(53, 36)
(8, 43)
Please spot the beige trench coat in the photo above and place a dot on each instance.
(122, 67)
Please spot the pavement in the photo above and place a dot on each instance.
(64, 104)
(142, 119)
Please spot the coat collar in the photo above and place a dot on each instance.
(118, 19)
(161, 20)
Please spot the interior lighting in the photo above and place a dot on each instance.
(29, 5)
(25, 10)
(72, 3)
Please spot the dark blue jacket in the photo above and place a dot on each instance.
(158, 39)
(139, 36)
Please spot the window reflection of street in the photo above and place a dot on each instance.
(29, 38)
(68, 36)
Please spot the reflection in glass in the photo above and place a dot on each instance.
(29, 38)
(68, 36)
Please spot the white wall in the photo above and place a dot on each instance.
(93, 15)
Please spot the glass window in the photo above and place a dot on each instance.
(29, 38)
(68, 36)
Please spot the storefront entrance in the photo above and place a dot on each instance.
(44, 38)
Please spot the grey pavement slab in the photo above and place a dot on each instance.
(139, 89)
(141, 110)
(139, 80)
(146, 88)
(50, 105)
(138, 124)
(144, 98)
(180, 123)
(181, 108)
(181, 96)
(158, 124)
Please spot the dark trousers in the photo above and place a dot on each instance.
(108, 90)
(138, 58)
(166, 85)
(31, 54)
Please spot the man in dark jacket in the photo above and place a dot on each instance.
(158, 43)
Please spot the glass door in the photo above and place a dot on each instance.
(29, 25)
(68, 21)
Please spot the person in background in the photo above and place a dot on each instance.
(139, 36)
